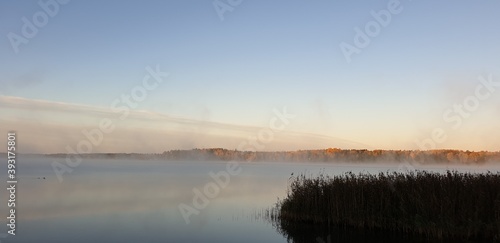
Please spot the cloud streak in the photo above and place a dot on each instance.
(141, 131)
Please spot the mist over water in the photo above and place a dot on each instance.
(137, 200)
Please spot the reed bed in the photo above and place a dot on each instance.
(450, 206)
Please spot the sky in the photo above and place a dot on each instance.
(250, 75)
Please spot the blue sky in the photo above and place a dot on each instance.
(264, 55)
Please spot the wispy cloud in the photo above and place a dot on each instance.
(142, 131)
(21, 103)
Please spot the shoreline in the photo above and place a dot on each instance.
(330, 155)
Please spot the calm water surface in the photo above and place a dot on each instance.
(138, 201)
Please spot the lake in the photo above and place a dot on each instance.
(130, 200)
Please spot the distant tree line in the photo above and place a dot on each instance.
(319, 155)
(337, 155)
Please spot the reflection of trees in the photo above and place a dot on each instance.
(305, 233)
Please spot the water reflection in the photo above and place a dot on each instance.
(303, 233)
(123, 201)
